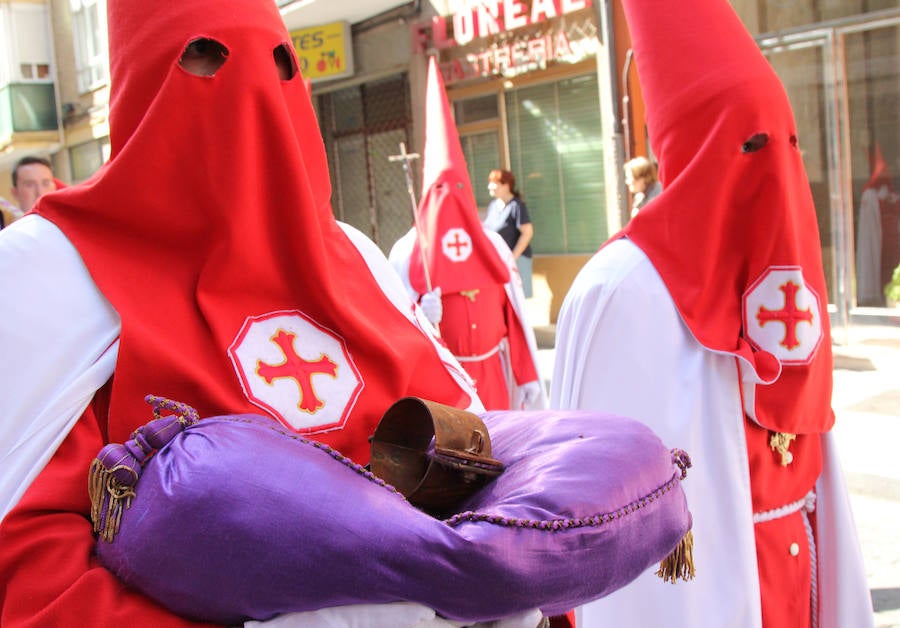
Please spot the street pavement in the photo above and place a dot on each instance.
(866, 401)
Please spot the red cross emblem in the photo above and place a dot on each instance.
(457, 244)
(296, 370)
(789, 315)
(782, 315)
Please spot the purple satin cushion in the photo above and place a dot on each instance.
(237, 518)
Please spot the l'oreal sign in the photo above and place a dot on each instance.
(518, 56)
(483, 18)
(325, 52)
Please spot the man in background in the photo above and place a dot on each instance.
(31, 179)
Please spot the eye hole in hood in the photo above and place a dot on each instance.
(203, 57)
(755, 143)
(284, 60)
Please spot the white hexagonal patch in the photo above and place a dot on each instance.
(782, 316)
(457, 244)
(297, 370)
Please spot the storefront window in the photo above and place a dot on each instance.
(481, 151)
(873, 82)
(801, 70)
(556, 154)
(844, 87)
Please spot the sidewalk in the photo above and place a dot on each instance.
(866, 401)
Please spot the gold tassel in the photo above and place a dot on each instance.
(103, 488)
(680, 563)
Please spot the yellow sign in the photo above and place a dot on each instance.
(325, 52)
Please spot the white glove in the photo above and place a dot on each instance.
(394, 614)
(530, 393)
(528, 619)
(431, 305)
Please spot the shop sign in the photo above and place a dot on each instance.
(485, 18)
(510, 48)
(325, 52)
(518, 56)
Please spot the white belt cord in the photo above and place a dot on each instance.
(806, 505)
(478, 358)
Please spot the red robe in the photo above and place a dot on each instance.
(784, 578)
(51, 576)
(474, 324)
(477, 322)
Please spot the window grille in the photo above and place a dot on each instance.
(556, 151)
(362, 126)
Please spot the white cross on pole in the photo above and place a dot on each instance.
(406, 158)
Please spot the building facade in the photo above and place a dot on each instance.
(544, 88)
(54, 86)
(29, 120)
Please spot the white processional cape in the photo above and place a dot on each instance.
(622, 347)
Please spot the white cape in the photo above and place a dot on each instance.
(60, 340)
(622, 347)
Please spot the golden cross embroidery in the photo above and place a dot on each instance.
(298, 369)
(780, 442)
(470, 294)
(789, 315)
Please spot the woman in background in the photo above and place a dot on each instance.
(508, 216)
(642, 182)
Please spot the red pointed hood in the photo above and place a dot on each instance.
(734, 234)
(458, 252)
(211, 233)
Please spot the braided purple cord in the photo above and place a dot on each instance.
(565, 524)
(186, 413)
